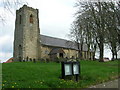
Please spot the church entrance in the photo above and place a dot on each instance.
(57, 53)
(61, 55)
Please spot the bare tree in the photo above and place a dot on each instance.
(112, 22)
(77, 37)
(9, 6)
(96, 20)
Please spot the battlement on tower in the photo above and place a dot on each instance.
(25, 7)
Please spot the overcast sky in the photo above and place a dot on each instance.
(55, 18)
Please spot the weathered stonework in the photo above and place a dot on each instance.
(30, 45)
(27, 34)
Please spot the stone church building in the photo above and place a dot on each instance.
(29, 44)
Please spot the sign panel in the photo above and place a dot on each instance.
(68, 69)
(71, 69)
(75, 69)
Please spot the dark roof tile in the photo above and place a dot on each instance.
(57, 42)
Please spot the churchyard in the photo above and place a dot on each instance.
(48, 75)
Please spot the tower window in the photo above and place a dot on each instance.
(20, 49)
(31, 18)
(20, 19)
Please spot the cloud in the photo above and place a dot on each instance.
(107, 53)
(5, 56)
(6, 44)
(118, 54)
(55, 16)
(6, 47)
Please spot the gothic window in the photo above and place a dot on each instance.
(20, 18)
(31, 18)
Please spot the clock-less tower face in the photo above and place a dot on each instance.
(27, 34)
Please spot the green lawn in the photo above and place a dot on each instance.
(47, 75)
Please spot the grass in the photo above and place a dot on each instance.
(47, 75)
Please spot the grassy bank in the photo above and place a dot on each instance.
(47, 75)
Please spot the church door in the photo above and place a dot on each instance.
(61, 55)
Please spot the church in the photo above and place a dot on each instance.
(29, 44)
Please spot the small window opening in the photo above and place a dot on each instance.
(20, 49)
(20, 19)
(31, 18)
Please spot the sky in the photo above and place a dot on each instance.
(55, 17)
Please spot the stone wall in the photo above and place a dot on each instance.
(69, 53)
(45, 50)
(27, 34)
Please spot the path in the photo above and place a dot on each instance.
(110, 84)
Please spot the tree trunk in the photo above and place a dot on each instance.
(78, 50)
(114, 51)
(81, 56)
(88, 52)
(113, 56)
(116, 55)
(93, 56)
(101, 52)
(101, 46)
(95, 46)
(119, 37)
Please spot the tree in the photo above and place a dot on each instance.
(112, 23)
(8, 5)
(92, 16)
(77, 37)
(95, 20)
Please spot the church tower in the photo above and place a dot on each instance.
(26, 35)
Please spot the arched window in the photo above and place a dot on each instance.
(31, 18)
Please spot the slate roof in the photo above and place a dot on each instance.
(56, 50)
(57, 42)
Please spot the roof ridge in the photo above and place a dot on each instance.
(54, 37)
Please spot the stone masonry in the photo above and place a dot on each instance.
(27, 34)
